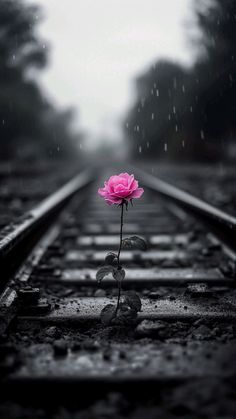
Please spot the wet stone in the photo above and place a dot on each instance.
(100, 293)
(198, 290)
(52, 332)
(60, 348)
(202, 332)
(149, 328)
(91, 345)
(154, 295)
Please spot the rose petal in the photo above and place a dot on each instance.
(113, 201)
(137, 193)
(102, 192)
(119, 188)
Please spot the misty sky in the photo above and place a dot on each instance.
(98, 46)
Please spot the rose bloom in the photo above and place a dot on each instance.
(120, 188)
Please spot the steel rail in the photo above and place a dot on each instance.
(223, 224)
(38, 219)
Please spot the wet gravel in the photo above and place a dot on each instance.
(192, 362)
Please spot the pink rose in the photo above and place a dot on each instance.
(120, 188)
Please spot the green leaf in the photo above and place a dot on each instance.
(133, 300)
(134, 242)
(104, 271)
(111, 258)
(108, 313)
(118, 274)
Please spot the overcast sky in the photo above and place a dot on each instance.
(98, 46)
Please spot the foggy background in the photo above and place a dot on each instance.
(103, 46)
(136, 79)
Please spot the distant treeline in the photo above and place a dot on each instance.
(29, 123)
(190, 113)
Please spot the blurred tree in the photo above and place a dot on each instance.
(189, 113)
(24, 111)
(216, 107)
(154, 119)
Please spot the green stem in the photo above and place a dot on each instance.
(118, 256)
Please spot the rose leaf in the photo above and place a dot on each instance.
(133, 300)
(118, 274)
(111, 258)
(108, 313)
(104, 271)
(134, 242)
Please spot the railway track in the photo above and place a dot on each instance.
(25, 184)
(184, 338)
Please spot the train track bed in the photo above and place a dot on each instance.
(176, 359)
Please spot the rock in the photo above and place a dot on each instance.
(91, 345)
(198, 322)
(154, 295)
(206, 252)
(216, 331)
(60, 348)
(122, 355)
(52, 332)
(198, 290)
(48, 340)
(202, 332)
(100, 293)
(76, 346)
(149, 328)
(107, 354)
